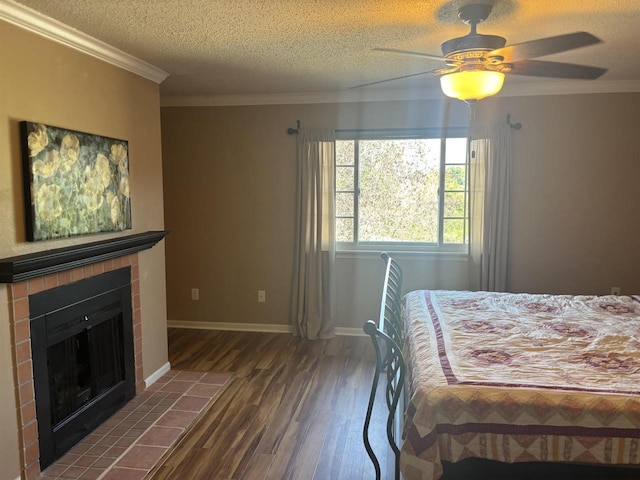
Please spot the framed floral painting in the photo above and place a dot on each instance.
(75, 183)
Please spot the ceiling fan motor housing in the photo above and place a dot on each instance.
(472, 42)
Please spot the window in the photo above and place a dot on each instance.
(402, 190)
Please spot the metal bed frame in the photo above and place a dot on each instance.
(387, 340)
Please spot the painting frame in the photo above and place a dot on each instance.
(75, 183)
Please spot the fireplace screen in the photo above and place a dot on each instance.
(83, 364)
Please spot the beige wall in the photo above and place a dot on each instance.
(575, 222)
(230, 204)
(229, 200)
(46, 82)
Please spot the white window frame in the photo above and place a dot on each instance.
(406, 247)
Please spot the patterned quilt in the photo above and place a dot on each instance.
(519, 377)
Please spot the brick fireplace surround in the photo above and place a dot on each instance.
(19, 292)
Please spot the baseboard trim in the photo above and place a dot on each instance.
(153, 378)
(350, 332)
(254, 327)
(234, 327)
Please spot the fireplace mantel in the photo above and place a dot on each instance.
(38, 264)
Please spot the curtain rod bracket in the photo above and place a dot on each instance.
(517, 125)
(293, 131)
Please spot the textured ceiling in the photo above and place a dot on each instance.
(249, 47)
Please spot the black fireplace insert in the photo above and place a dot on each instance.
(83, 359)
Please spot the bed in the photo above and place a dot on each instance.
(511, 378)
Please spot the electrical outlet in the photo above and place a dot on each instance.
(262, 296)
(195, 294)
(615, 290)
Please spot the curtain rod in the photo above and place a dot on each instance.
(293, 131)
(516, 126)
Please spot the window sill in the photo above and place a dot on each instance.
(404, 254)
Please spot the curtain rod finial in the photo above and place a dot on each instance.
(293, 131)
(516, 125)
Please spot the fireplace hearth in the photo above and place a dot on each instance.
(83, 360)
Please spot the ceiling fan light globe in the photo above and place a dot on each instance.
(472, 84)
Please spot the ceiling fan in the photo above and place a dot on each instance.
(475, 65)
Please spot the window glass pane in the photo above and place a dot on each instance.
(456, 150)
(344, 178)
(344, 230)
(396, 197)
(455, 177)
(344, 152)
(454, 204)
(399, 182)
(344, 205)
(454, 231)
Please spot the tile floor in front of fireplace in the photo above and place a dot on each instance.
(130, 443)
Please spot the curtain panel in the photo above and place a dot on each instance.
(313, 301)
(490, 152)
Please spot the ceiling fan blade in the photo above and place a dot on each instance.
(392, 79)
(537, 68)
(416, 54)
(544, 46)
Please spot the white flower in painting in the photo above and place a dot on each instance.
(116, 210)
(95, 180)
(92, 195)
(119, 157)
(48, 204)
(48, 165)
(37, 140)
(69, 151)
(103, 170)
(124, 186)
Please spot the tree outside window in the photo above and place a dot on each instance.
(402, 193)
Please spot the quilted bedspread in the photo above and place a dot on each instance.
(519, 377)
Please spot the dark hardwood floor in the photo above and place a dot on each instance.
(294, 409)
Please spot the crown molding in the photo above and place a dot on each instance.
(571, 87)
(342, 96)
(47, 27)
(567, 87)
(304, 98)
